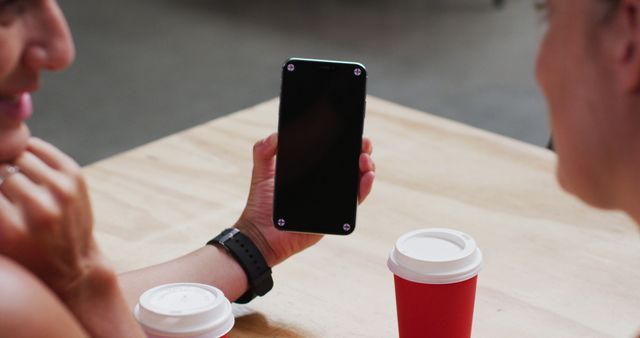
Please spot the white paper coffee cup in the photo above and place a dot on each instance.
(186, 310)
(435, 256)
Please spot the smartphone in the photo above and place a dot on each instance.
(322, 108)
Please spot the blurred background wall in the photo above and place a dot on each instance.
(149, 68)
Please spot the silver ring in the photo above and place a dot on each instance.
(6, 171)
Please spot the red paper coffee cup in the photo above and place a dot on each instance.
(435, 273)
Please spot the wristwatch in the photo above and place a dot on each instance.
(242, 249)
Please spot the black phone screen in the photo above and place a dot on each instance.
(322, 106)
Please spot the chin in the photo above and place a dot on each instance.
(13, 142)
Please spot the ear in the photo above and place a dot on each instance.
(626, 23)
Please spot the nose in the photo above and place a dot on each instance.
(50, 44)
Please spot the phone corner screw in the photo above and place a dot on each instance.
(281, 222)
(346, 227)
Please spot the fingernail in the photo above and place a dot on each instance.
(271, 139)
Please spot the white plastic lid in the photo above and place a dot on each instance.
(435, 256)
(185, 309)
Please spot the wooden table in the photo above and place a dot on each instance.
(553, 267)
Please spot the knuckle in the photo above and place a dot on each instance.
(46, 214)
(70, 188)
(74, 171)
(67, 190)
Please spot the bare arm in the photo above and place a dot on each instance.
(100, 305)
(46, 225)
(207, 265)
(30, 309)
(212, 265)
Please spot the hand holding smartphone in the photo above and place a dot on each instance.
(322, 107)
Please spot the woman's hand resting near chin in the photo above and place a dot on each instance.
(46, 221)
(256, 220)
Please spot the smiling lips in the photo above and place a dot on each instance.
(16, 107)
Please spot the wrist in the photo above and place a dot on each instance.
(99, 305)
(248, 256)
(251, 230)
(98, 282)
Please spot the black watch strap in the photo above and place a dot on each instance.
(242, 249)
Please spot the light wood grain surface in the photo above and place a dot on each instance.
(553, 267)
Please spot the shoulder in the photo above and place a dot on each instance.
(28, 308)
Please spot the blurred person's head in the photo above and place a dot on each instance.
(589, 70)
(33, 37)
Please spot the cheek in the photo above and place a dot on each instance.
(9, 54)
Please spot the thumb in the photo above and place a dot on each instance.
(264, 152)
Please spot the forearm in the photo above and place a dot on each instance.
(208, 265)
(99, 305)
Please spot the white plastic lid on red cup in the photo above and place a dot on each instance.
(435, 256)
(184, 310)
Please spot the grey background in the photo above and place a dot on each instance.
(149, 68)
